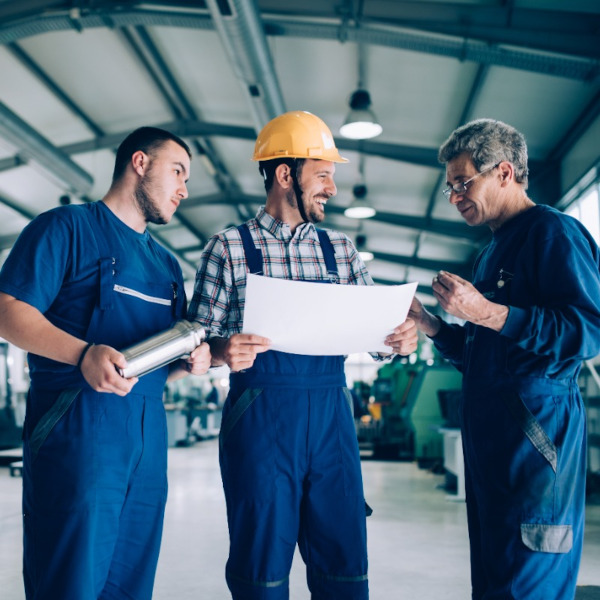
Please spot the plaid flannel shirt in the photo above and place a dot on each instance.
(219, 291)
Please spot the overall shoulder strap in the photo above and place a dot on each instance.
(328, 254)
(106, 261)
(254, 257)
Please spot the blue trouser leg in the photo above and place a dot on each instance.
(96, 482)
(525, 518)
(333, 512)
(291, 473)
(137, 548)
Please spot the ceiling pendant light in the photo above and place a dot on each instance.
(361, 243)
(360, 208)
(361, 122)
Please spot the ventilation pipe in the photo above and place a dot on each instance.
(241, 31)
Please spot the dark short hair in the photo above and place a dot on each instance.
(267, 169)
(146, 139)
(488, 142)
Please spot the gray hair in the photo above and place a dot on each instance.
(488, 142)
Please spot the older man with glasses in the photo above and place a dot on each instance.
(532, 315)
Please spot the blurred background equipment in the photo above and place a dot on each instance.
(405, 412)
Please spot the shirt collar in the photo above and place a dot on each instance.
(281, 230)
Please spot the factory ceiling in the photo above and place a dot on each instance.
(77, 76)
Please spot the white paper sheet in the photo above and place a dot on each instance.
(319, 319)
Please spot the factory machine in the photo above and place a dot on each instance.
(409, 403)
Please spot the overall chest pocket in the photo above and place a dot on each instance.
(486, 351)
(135, 310)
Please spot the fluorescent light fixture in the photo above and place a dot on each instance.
(361, 122)
(359, 211)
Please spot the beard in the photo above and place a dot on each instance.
(316, 216)
(311, 216)
(145, 202)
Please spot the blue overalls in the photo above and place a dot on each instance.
(291, 472)
(523, 440)
(523, 419)
(95, 482)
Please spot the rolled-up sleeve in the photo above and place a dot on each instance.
(212, 289)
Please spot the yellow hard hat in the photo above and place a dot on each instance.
(296, 134)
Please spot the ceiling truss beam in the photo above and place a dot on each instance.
(454, 229)
(416, 155)
(460, 44)
(33, 146)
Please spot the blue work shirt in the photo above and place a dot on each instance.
(54, 268)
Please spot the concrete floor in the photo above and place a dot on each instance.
(418, 546)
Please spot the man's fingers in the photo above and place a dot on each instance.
(116, 384)
(248, 343)
(118, 359)
(404, 337)
(406, 326)
(249, 338)
(199, 360)
(258, 348)
(440, 284)
(449, 280)
(199, 357)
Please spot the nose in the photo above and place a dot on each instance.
(455, 197)
(183, 191)
(330, 187)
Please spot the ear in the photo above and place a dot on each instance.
(283, 176)
(507, 173)
(139, 162)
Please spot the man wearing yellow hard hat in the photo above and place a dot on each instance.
(289, 455)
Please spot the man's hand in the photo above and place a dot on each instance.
(404, 338)
(460, 298)
(423, 319)
(241, 350)
(199, 360)
(98, 369)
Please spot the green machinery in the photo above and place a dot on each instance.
(405, 413)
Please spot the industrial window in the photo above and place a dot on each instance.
(586, 208)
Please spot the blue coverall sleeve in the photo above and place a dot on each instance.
(564, 321)
(36, 266)
(450, 342)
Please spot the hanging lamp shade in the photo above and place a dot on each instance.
(361, 122)
(361, 243)
(360, 207)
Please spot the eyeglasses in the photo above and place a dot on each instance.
(461, 188)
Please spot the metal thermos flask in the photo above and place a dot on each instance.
(161, 349)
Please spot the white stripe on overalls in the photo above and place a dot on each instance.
(125, 290)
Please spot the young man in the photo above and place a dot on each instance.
(80, 283)
(289, 456)
(532, 315)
